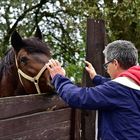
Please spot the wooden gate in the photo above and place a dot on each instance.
(36, 117)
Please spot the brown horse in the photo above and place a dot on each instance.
(23, 69)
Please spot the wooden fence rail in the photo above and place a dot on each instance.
(35, 117)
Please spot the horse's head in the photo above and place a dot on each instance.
(31, 55)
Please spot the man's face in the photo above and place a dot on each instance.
(112, 68)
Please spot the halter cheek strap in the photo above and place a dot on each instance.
(34, 79)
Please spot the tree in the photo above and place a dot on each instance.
(63, 23)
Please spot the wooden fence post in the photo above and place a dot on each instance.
(94, 54)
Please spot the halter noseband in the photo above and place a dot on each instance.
(34, 79)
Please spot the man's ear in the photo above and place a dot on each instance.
(116, 63)
(16, 41)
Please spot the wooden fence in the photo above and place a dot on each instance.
(36, 117)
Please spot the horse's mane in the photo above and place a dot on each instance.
(7, 61)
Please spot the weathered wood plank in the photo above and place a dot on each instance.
(36, 117)
(56, 132)
(75, 124)
(94, 54)
(27, 104)
(48, 124)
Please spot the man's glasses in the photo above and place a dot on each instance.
(106, 64)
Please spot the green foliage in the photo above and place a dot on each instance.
(74, 72)
(63, 23)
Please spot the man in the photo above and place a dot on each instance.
(117, 99)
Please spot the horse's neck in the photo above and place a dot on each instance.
(8, 75)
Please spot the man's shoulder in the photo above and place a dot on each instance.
(125, 81)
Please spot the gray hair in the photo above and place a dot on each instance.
(123, 51)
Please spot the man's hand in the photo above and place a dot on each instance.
(89, 68)
(54, 67)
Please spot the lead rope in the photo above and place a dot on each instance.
(34, 79)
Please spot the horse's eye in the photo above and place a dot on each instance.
(23, 60)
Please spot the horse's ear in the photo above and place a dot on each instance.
(38, 33)
(16, 41)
